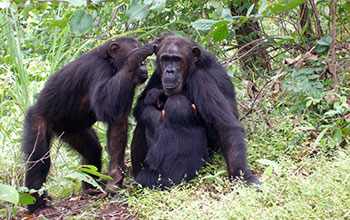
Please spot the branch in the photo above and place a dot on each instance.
(332, 66)
(113, 17)
(318, 24)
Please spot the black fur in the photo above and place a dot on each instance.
(206, 84)
(99, 85)
(179, 142)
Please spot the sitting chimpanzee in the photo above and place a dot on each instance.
(99, 85)
(178, 146)
(183, 67)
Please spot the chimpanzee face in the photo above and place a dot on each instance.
(174, 57)
(141, 73)
(119, 50)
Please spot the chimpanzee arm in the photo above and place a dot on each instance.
(213, 94)
(113, 96)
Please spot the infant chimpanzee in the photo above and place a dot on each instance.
(178, 141)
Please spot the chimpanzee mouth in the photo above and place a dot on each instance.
(171, 88)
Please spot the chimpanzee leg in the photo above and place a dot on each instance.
(36, 141)
(117, 140)
(87, 144)
(139, 149)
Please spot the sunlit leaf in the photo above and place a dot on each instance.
(277, 7)
(203, 24)
(9, 194)
(220, 33)
(81, 22)
(77, 3)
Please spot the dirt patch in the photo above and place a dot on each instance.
(86, 207)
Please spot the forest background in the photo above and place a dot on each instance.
(288, 59)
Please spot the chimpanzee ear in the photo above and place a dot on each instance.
(196, 53)
(113, 49)
(156, 44)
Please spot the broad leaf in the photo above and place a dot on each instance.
(203, 24)
(9, 194)
(81, 22)
(77, 3)
(26, 199)
(137, 11)
(220, 33)
(288, 6)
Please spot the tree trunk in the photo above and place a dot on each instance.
(257, 59)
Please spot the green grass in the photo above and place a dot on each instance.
(315, 188)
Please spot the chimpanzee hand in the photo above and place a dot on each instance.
(136, 58)
(155, 97)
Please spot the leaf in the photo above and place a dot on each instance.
(137, 11)
(277, 7)
(275, 166)
(80, 176)
(77, 3)
(319, 137)
(157, 5)
(203, 24)
(226, 15)
(220, 33)
(338, 136)
(90, 169)
(267, 173)
(26, 199)
(9, 194)
(263, 7)
(81, 22)
(323, 44)
(250, 9)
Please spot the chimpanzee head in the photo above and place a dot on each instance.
(176, 58)
(119, 49)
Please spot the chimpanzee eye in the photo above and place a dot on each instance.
(142, 63)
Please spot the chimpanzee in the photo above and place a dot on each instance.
(178, 147)
(99, 85)
(184, 67)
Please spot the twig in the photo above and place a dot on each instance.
(113, 17)
(244, 46)
(252, 105)
(332, 66)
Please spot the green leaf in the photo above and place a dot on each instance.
(81, 22)
(203, 24)
(90, 169)
(275, 166)
(338, 136)
(220, 33)
(158, 5)
(323, 44)
(137, 11)
(26, 199)
(263, 7)
(319, 137)
(80, 176)
(77, 3)
(250, 9)
(226, 15)
(9, 194)
(289, 5)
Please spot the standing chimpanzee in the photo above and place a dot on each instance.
(178, 147)
(184, 67)
(99, 85)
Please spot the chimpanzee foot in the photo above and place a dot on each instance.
(44, 211)
(115, 184)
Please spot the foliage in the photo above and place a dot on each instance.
(297, 120)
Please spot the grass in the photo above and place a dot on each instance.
(300, 183)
